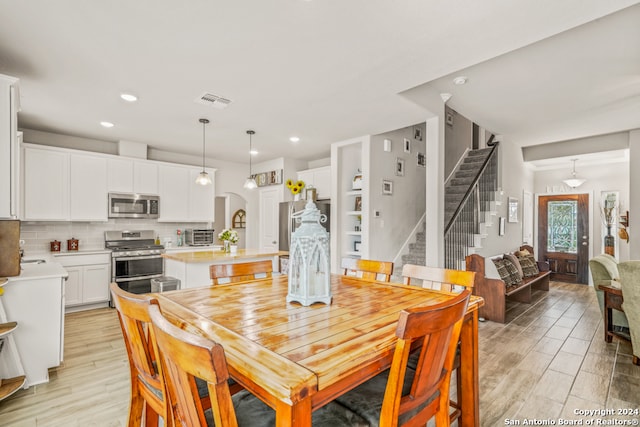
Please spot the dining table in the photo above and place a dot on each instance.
(298, 358)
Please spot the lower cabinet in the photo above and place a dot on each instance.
(88, 283)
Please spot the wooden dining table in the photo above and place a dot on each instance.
(296, 358)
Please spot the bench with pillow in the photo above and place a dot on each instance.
(508, 276)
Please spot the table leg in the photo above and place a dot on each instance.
(298, 414)
(470, 391)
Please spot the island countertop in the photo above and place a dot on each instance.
(218, 256)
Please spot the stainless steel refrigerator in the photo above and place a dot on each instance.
(288, 224)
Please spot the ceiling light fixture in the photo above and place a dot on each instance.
(574, 182)
(106, 124)
(250, 183)
(203, 178)
(294, 139)
(460, 80)
(128, 97)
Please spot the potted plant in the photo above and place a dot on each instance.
(229, 238)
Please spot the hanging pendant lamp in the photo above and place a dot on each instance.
(203, 178)
(574, 182)
(250, 183)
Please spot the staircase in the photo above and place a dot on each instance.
(470, 197)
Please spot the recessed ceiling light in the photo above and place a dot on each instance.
(128, 97)
(107, 124)
(294, 139)
(253, 152)
(460, 80)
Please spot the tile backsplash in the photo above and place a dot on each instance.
(38, 235)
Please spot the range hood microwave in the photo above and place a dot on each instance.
(129, 205)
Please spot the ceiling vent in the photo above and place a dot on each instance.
(213, 100)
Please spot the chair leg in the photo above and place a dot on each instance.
(636, 360)
(135, 411)
(151, 417)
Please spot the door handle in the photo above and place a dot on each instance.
(584, 243)
(274, 242)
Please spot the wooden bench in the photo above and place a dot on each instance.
(495, 292)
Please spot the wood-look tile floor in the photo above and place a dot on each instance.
(547, 362)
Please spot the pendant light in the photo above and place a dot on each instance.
(203, 178)
(574, 182)
(250, 183)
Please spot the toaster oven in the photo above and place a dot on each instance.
(198, 237)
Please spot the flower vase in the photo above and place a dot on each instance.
(296, 197)
(227, 246)
(234, 248)
(609, 242)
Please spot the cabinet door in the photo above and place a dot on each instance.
(201, 197)
(145, 177)
(322, 182)
(174, 193)
(72, 287)
(46, 185)
(120, 175)
(88, 188)
(95, 283)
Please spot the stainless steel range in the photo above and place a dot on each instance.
(135, 259)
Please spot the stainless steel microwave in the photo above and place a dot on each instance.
(129, 205)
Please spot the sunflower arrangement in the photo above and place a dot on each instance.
(295, 187)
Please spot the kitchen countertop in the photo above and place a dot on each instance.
(192, 248)
(200, 256)
(39, 271)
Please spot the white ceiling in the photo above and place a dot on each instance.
(324, 70)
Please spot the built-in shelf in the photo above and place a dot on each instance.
(353, 253)
(353, 233)
(354, 212)
(354, 193)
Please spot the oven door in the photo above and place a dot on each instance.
(130, 267)
(138, 285)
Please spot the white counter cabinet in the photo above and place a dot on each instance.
(88, 284)
(35, 299)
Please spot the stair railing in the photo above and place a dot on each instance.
(460, 231)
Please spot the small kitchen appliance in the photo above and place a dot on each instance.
(198, 237)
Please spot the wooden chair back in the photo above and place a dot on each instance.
(147, 382)
(184, 357)
(438, 329)
(437, 278)
(367, 269)
(240, 272)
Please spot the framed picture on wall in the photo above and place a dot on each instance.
(513, 209)
(407, 145)
(387, 187)
(422, 160)
(417, 134)
(501, 226)
(358, 205)
(399, 166)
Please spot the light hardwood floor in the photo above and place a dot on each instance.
(549, 360)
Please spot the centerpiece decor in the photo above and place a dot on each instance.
(295, 187)
(229, 237)
(309, 259)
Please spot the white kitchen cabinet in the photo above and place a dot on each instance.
(132, 176)
(181, 199)
(88, 188)
(87, 285)
(319, 178)
(46, 184)
(9, 147)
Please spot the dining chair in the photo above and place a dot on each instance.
(367, 269)
(185, 357)
(630, 284)
(450, 281)
(148, 391)
(404, 396)
(240, 272)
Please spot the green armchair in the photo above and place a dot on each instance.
(604, 269)
(630, 283)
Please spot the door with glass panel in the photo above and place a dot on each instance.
(563, 236)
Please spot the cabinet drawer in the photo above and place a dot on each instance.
(69, 260)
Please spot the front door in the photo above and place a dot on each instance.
(563, 236)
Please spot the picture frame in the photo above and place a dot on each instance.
(399, 166)
(512, 209)
(358, 204)
(449, 118)
(417, 134)
(387, 187)
(501, 226)
(422, 160)
(407, 145)
(356, 246)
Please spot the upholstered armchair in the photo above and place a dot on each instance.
(630, 283)
(604, 269)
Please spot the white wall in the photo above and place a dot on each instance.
(401, 211)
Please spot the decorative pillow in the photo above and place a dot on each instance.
(529, 265)
(522, 253)
(516, 263)
(516, 278)
(505, 276)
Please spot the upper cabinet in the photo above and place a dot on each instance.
(319, 178)
(88, 188)
(46, 185)
(181, 199)
(9, 147)
(132, 176)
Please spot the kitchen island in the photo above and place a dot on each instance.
(192, 268)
